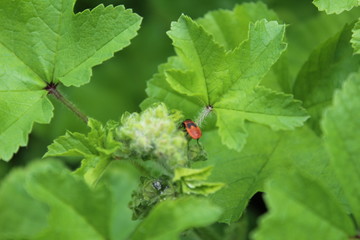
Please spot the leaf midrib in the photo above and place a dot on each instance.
(259, 113)
(252, 185)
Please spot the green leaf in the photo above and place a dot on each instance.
(96, 148)
(21, 216)
(193, 181)
(230, 27)
(159, 90)
(221, 23)
(200, 188)
(325, 70)
(75, 210)
(203, 56)
(277, 110)
(253, 58)
(171, 217)
(71, 144)
(266, 153)
(20, 106)
(209, 75)
(334, 6)
(45, 42)
(341, 128)
(192, 174)
(302, 205)
(355, 39)
(303, 209)
(321, 27)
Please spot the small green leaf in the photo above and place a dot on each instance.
(43, 41)
(96, 148)
(193, 181)
(200, 188)
(355, 39)
(192, 174)
(341, 128)
(171, 217)
(71, 144)
(325, 70)
(159, 90)
(304, 210)
(335, 6)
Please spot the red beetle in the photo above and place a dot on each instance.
(192, 129)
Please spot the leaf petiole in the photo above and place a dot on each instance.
(52, 89)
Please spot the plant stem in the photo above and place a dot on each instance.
(51, 88)
(203, 114)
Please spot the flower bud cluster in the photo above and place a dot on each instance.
(154, 134)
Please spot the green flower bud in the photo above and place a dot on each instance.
(154, 134)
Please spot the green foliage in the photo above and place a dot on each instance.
(48, 43)
(342, 136)
(236, 73)
(51, 203)
(221, 23)
(228, 80)
(171, 217)
(304, 210)
(15, 203)
(96, 148)
(193, 181)
(355, 40)
(265, 154)
(149, 193)
(333, 6)
(298, 200)
(325, 70)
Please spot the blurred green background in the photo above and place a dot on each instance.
(119, 84)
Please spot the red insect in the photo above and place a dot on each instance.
(192, 129)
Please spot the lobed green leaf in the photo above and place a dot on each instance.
(342, 137)
(171, 217)
(44, 42)
(230, 27)
(21, 216)
(205, 74)
(334, 6)
(355, 39)
(303, 209)
(52, 203)
(96, 149)
(325, 70)
(265, 154)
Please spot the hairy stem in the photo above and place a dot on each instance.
(51, 88)
(203, 115)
